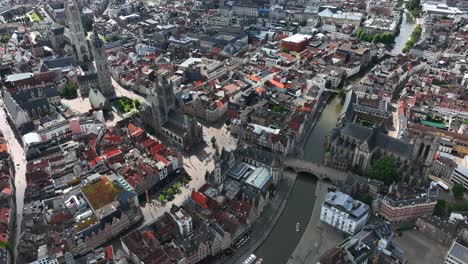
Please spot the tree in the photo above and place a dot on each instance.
(7, 245)
(285, 50)
(184, 180)
(161, 198)
(342, 93)
(440, 208)
(458, 191)
(384, 169)
(213, 142)
(5, 38)
(177, 185)
(70, 90)
(367, 199)
(88, 24)
(414, 6)
(170, 192)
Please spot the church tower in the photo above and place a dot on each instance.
(77, 34)
(165, 91)
(102, 68)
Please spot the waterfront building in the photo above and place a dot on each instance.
(460, 176)
(356, 146)
(404, 203)
(344, 213)
(374, 243)
(458, 253)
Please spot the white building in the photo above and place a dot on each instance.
(184, 221)
(460, 175)
(344, 213)
(458, 254)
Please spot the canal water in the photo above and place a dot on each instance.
(283, 239)
(407, 26)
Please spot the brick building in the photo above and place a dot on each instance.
(296, 42)
(404, 203)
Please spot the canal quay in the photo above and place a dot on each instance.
(285, 244)
(284, 238)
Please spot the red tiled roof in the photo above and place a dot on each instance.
(109, 252)
(277, 84)
(148, 143)
(6, 191)
(198, 84)
(3, 147)
(147, 235)
(161, 159)
(112, 138)
(112, 153)
(4, 214)
(157, 149)
(134, 130)
(200, 199)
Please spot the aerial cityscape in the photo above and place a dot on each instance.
(234, 132)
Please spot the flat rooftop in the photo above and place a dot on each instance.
(260, 178)
(101, 192)
(297, 38)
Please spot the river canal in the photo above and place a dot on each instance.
(406, 28)
(282, 241)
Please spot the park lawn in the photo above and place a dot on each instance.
(101, 192)
(124, 104)
(35, 17)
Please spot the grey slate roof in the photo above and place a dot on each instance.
(59, 63)
(88, 78)
(459, 252)
(374, 138)
(346, 203)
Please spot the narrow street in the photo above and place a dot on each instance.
(18, 158)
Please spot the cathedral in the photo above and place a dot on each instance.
(77, 35)
(351, 146)
(162, 113)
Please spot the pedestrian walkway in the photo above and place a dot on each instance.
(318, 237)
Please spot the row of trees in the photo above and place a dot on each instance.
(413, 39)
(169, 194)
(385, 38)
(442, 209)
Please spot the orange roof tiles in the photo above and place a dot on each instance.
(277, 84)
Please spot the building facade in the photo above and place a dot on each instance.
(344, 213)
(102, 68)
(77, 34)
(404, 203)
(163, 114)
(457, 253)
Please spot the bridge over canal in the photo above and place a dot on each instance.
(322, 172)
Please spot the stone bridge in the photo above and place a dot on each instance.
(320, 171)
